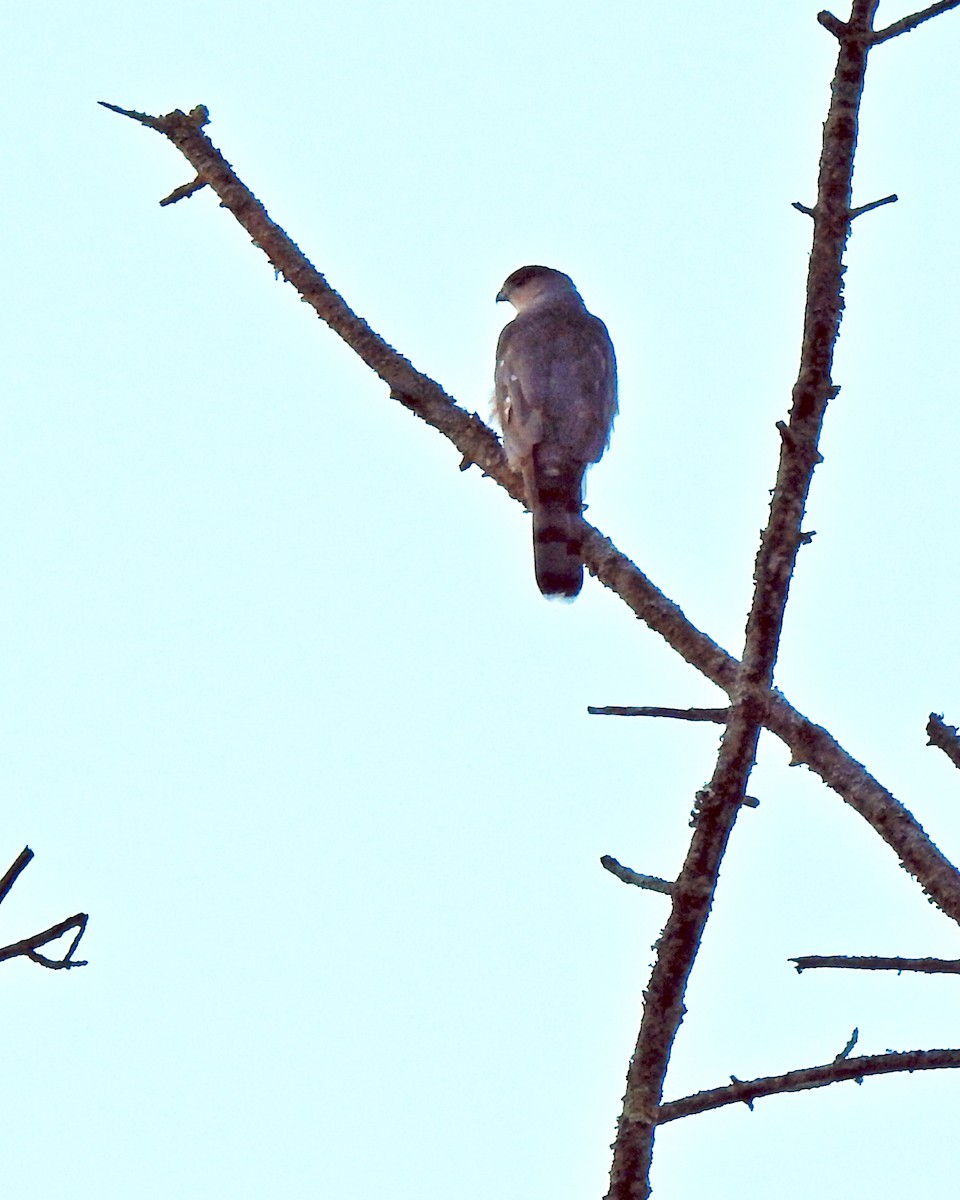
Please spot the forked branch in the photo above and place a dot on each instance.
(748, 683)
(476, 443)
(30, 947)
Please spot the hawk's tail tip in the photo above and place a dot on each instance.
(556, 556)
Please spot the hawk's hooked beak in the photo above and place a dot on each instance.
(502, 296)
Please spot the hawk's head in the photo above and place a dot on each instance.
(531, 286)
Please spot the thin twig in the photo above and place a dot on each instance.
(865, 208)
(838, 1071)
(926, 966)
(905, 24)
(848, 1047)
(716, 715)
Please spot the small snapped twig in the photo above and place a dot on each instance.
(717, 715)
(944, 737)
(745, 1092)
(650, 882)
(184, 190)
(905, 24)
(927, 966)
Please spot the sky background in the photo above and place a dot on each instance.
(282, 708)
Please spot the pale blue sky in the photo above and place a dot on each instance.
(282, 707)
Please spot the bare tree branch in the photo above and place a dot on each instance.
(477, 444)
(905, 24)
(716, 715)
(13, 872)
(30, 947)
(927, 966)
(719, 803)
(944, 737)
(754, 703)
(747, 1091)
(865, 208)
(416, 391)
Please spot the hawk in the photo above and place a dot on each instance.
(555, 397)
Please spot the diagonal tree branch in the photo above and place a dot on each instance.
(12, 874)
(476, 443)
(746, 1091)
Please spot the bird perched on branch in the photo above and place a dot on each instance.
(556, 397)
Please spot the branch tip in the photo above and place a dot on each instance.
(143, 118)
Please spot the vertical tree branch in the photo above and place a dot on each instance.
(719, 803)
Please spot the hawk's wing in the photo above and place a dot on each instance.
(556, 385)
(556, 397)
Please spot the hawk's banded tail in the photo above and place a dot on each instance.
(557, 535)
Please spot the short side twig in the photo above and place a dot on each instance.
(747, 1091)
(651, 882)
(865, 208)
(716, 715)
